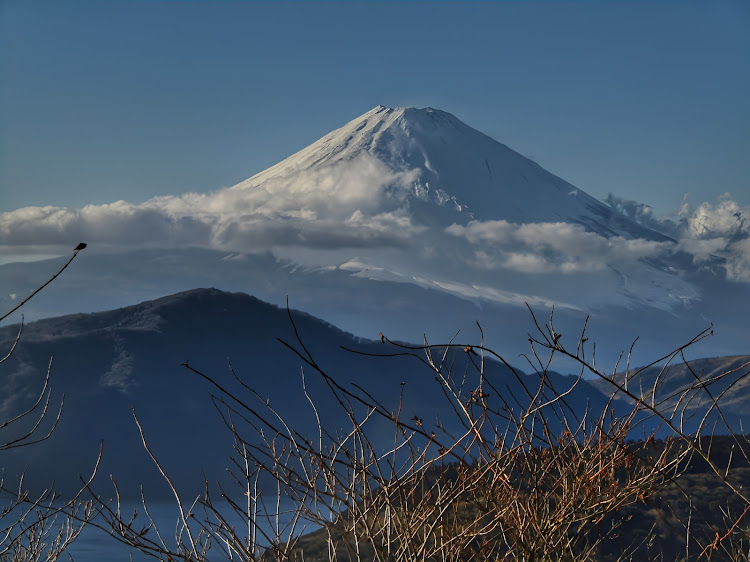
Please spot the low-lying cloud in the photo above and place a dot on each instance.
(354, 205)
(715, 235)
(365, 205)
(551, 247)
(707, 232)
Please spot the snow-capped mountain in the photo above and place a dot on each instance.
(461, 209)
(403, 221)
(434, 157)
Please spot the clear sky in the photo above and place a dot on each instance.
(109, 100)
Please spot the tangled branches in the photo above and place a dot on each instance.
(40, 526)
(505, 466)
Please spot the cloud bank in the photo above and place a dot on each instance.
(353, 205)
(711, 233)
(363, 208)
(551, 247)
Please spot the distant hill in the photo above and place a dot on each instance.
(727, 379)
(105, 363)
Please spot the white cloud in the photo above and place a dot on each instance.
(352, 205)
(524, 262)
(725, 219)
(721, 230)
(738, 261)
(702, 250)
(715, 233)
(318, 217)
(551, 247)
(118, 223)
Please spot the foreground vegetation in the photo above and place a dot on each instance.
(499, 469)
(652, 526)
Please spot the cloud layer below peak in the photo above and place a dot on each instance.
(352, 205)
(364, 209)
(551, 247)
(715, 234)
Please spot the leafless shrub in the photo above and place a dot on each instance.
(40, 526)
(508, 471)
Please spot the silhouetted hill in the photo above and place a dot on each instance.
(107, 363)
(726, 379)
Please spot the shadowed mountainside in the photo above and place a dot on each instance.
(107, 363)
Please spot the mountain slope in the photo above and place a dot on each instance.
(420, 197)
(726, 378)
(451, 164)
(107, 363)
(111, 362)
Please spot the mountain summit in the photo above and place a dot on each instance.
(434, 157)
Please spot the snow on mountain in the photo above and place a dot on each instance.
(463, 209)
(451, 165)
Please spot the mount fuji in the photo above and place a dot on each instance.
(433, 157)
(404, 221)
(442, 193)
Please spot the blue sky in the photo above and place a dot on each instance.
(109, 100)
